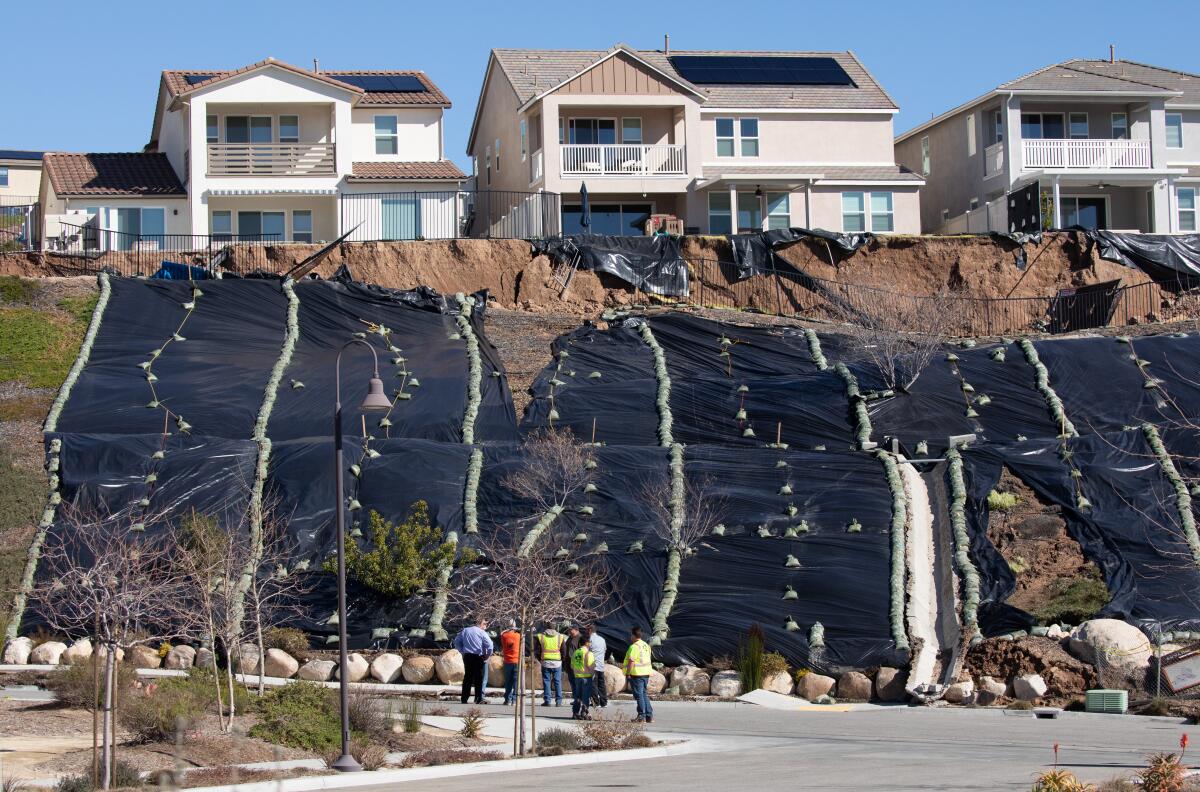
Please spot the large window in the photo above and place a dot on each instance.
(779, 210)
(247, 129)
(1037, 126)
(749, 212)
(3, 177)
(222, 225)
(1175, 130)
(387, 135)
(724, 137)
(737, 137)
(1120, 126)
(860, 210)
(302, 226)
(925, 155)
(587, 131)
(268, 226)
(401, 216)
(1079, 126)
(141, 226)
(631, 131)
(613, 219)
(748, 127)
(1087, 212)
(1186, 197)
(720, 219)
(289, 129)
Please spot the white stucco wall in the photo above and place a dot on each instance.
(806, 138)
(24, 179)
(419, 132)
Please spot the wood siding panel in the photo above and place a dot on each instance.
(619, 75)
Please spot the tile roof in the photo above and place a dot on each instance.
(143, 173)
(441, 170)
(534, 71)
(177, 84)
(826, 172)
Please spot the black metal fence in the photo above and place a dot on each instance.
(450, 214)
(86, 249)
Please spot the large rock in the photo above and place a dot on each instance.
(316, 670)
(1028, 687)
(417, 670)
(962, 692)
(854, 686)
(17, 651)
(990, 690)
(1107, 643)
(533, 674)
(614, 680)
(247, 659)
(205, 658)
(495, 671)
(180, 657)
(726, 684)
(810, 686)
(657, 683)
(102, 652)
(449, 667)
(357, 668)
(78, 652)
(889, 684)
(691, 681)
(49, 653)
(142, 656)
(779, 682)
(386, 667)
(279, 663)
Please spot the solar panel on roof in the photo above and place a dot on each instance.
(196, 79)
(760, 70)
(383, 83)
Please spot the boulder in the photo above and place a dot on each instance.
(533, 675)
(1055, 631)
(811, 686)
(854, 686)
(204, 658)
(614, 680)
(356, 668)
(962, 692)
(1107, 643)
(417, 670)
(495, 671)
(889, 684)
(1028, 687)
(657, 683)
(449, 667)
(315, 670)
(142, 656)
(49, 653)
(102, 652)
(247, 659)
(17, 651)
(691, 681)
(779, 682)
(78, 652)
(726, 684)
(180, 657)
(278, 663)
(990, 690)
(386, 667)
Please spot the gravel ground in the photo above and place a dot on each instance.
(523, 340)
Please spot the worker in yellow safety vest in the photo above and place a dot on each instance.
(637, 667)
(583, 667)
(549, 645)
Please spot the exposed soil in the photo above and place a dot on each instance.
(523, 340)
(1066, 677)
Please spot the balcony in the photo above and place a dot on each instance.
(271, 159)
(1086, 154)
(579, 159)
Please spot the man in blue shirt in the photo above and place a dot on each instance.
(475, 646)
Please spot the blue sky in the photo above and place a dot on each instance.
(99, 62)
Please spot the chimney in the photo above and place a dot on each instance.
(316, 66)
(1112, 54)
(666, 44)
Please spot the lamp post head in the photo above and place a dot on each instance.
(376, 399)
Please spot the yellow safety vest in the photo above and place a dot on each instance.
(551, 646)
(637, 659)
(582, 661)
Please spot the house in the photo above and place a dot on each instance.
(273, 152)
(1111, 144)
(726, 141)
(20, 176)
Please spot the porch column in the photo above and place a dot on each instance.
(808, 204)
(1172, 205)
(733, 208)
(762, 211)
(1057, 205)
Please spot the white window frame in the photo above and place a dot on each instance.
(890, 213)
(523, 129)
(3, 175)
(868, 212)
(732, 137)
(393, 137)
(212, 224)
(1167, 141)
(727, 213)
(972, 204)
(998, 121)
(786, 212)
(1180, 211)
(641, 131)
(1112, 125)
(279, 126)
(1087, 127)
(1042, 125)
(308, 212)
(972, 143)
(743, 139)
(926, 164)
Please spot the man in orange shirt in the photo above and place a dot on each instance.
(510, 652)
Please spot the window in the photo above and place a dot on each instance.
(387, 135)
(854, 212)
(998, 124)
(487, 164)
(1175, 130)
(1079, 125)
(925, 155)
(749, 130)
(222, 225)
(140, 226)
(211, 131)
(779, 210)
(561, 137)
(3, 177)
(749, 212)
(612, 219)
(724, 137)
(1186, 198)
(267, 226)
(589, 131)
(289, 129)
(1037, 126)
(720, 219)
(973, 204)
(497, 155)
(302, 226)
(631, 130)
(881, 212)
(854, 216)
(1120, 126)
(971, 142)
(247, 129)
(524, 130)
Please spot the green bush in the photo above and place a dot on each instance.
(75, 783)
(1075, 600)
(412, 717)
(1002, 501)
(16, 290)
(558, 738)
(750, 658)
(74, 687)
(203, 685)
(154, 713)
(301, 715)
(403, 558)
(774, 663)
(287, 639)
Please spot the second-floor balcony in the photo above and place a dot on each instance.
(271, 159)
(1085, 154)
(623, 159)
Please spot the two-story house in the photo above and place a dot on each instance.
(726, 141)
(1112, 144)
(272, 151)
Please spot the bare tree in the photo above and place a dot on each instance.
(274, 593)
(555, 467)
(115, 575)
(700, 511)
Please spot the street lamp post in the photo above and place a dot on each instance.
(375, 400)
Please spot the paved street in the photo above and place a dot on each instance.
(885, 748)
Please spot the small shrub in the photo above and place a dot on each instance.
(301, 715)
(472, 721)
(1018, 565)
(774, 663)
(444, 756)
(368, 718)
(73, 686)
(800, 674)
(1117, 785)
(1020, 705)
(10, 783)
(1075, 600)
(606, 734)
(1159, 705)
(41, 636)
(750, 658)
(559, 738)
(412, 717)
(155, 713)
(371, 756)
(75, 783)
(287, 639)
(126, 775)
(439, 710)
(638, 740)
(1164, 773)
(1002, 501)
(1060, 781)
(402, 557)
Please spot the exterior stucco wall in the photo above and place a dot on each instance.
(323, 208)
(24, 179)
(419, 132)
(955, 176)
(807, 138)
(498, 119)
(1190, 153)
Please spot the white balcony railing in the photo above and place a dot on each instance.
(580, 159)
(270, 159)
(1086, 154)
(993, 159)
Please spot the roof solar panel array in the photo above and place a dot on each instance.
(196, 79)
(383, 83)
(760, 70)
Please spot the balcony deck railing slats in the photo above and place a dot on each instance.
(585, 159)
(1088, 154)
(271, 159)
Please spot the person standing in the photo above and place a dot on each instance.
(573, 642)
(475, 646)
(596, 642)
(637, 667)
(510, 653)
(549, 651)
(583, 667)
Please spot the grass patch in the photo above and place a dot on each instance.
(38, 347)
(1075, 600)
(1002, 501)
(16, 290)
(79, 307)
(25, 408)
(22, 495)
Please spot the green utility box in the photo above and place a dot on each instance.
(1113, 702)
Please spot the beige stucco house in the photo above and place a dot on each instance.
(20, 176)
(1112, 144)
(725, 141)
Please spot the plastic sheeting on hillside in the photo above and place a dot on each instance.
(653, 264)
(1168, 258)
(753, 254)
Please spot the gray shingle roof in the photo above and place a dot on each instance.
(533, 71)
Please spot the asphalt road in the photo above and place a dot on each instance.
(885, 748)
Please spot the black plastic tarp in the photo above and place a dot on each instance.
(753, 253)
(1168, 258)
(653, 264)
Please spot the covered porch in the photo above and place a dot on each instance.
(273, 218)
(618, 214)
(1111, 202)
(741, 203)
